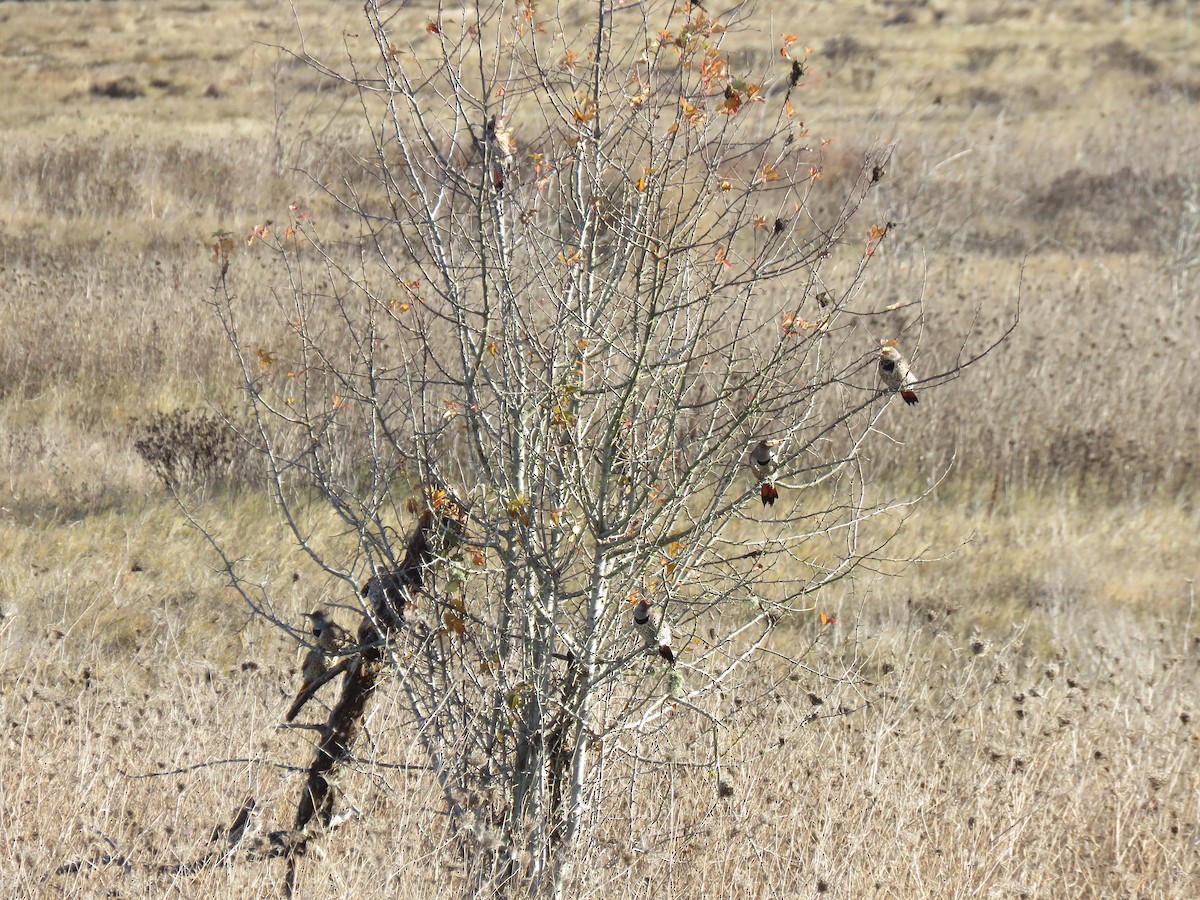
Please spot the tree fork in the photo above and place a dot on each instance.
(387, 592)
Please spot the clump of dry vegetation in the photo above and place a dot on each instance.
(1015, 717)
(1022, 718)
(185, 447)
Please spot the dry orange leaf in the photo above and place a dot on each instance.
(586, 112)
(454, 624)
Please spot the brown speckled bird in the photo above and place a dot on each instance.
(328, 638)
(501, 149)
(762, 461)
(656, 634)
(895, 373)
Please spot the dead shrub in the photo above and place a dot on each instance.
(1118, 211)
(1172, 90)
(124, 88)
(980, 59)
(843, 49)
(1120, 55)
(982, 96)
(1099, 451)
(186, 447)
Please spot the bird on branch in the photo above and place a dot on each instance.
(763, 463)
(895, 373)
(500, 149)
(654, 633)
(328, 639)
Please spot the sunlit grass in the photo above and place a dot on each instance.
(1012, 716)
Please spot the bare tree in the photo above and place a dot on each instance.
(592, 273)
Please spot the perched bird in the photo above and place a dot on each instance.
(641, 619)
(656, 634)
(894, 371)
(501, 149)
(762, 461)
(325, 641)
(796, 74)
(328, 638)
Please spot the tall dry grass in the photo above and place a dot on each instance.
(1019, 720)
(1024, 719)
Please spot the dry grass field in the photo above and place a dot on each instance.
(1023, 721)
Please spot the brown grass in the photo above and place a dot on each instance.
(1023, 721)
(1026, 725)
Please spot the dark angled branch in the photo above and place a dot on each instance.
(387, 592)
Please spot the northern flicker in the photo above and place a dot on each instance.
(328, 638)
(894, 371)
(762, 461)
(501, 150)
(655, 633)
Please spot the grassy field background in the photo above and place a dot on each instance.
(1027, 726)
